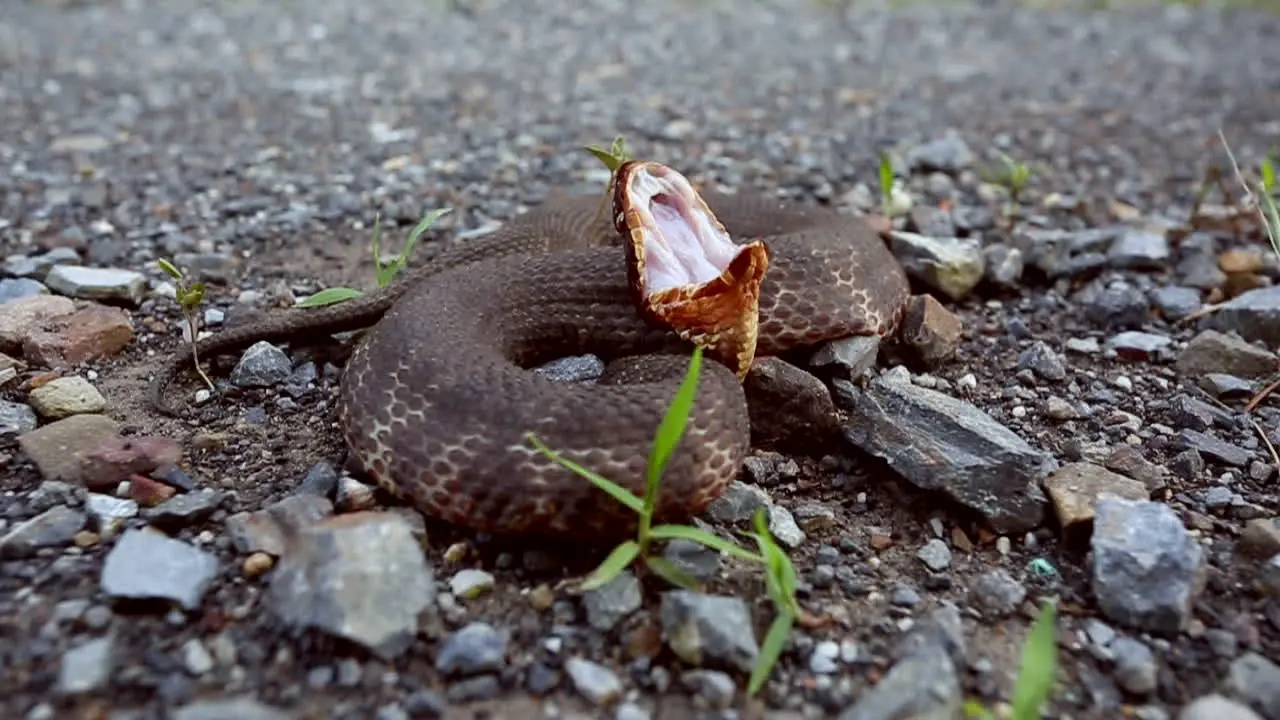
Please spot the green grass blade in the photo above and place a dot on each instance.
(672, 574)
(693, 534)
(1269, 175)
(974, 710)
(329, 296)
(616, 562)
(770, 650)
(619, 493)
(673, 423)
(1039, 665)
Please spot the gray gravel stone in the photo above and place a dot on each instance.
(940, 443)
(470, 583)
(935, 554)
(145, 564)
(709, 629)
(1214, 447)
(593, 681)
(232, 708)
(52, 528)
(996, 593)
(326, 581)
(16, 418)
(953, 266)
(88, 283)
(1216, 707)
(1211, 351)
(1139, 249)
(1256, 680)
(610, 603)
(87, 667)
(110, 513)
(1135, 666)
(262, 365)
(737, 503)
(476, 648)
(1147, 569)
(923, 684)
(1175, 302)
(1041, 359)
(854, 355)
(14, 288)
(947, 153)
(1253, 315)
(578, 368)
(715, 687)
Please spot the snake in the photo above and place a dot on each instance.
(441, 398)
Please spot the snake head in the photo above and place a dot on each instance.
(686, 273)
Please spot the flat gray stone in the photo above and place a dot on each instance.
(939, 443)
(328, 581)
(1253, 315)
(86, 667)
(147, 565)
(235, 708)
(91, 283)
(53, 528)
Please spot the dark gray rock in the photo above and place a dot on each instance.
(477, 648)
(940, 443)
(1253, 315)
(709, 630)
(262, 365)
(1147, 570)
(613, 601)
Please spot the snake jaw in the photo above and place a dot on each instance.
(686, 273)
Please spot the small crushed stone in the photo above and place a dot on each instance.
(1066, 420)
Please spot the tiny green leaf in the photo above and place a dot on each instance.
(974, 710)
(616, 562)
(619, 493)
(668, 571)
(886, 175)
(328, 296)
(169, 268)
(1269, 175)
(1039, 665)
(614, 156)
(775, 641)
(693, 534)
(673, 423)
(387, 273)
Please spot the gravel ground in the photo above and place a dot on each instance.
(1082, 439)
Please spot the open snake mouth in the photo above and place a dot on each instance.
(686, 272)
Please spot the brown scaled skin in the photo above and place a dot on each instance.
(435, 403)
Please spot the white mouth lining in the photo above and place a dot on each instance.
(683, 244)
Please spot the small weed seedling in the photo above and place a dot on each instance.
(886, 184)
(189, 297)
(384, 274)
(1037, 674)
(612, 159)
(1012, 176)
(780, 580)
(664, 444)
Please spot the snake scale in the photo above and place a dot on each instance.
(436, 399)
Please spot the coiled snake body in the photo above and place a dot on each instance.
(435, 402)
